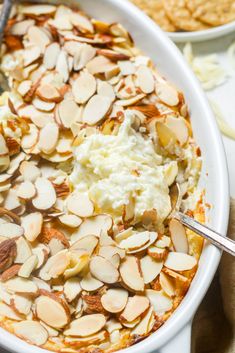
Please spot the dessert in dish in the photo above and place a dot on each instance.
(92, 139)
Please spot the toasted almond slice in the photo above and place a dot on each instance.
(81, 22)
(84, 87)
(69, 112)
(89, 340)
(23, 250)
(48, 138)
(103, 270)
(167, 284)
(131, 274)
(135, 241)
(86, 325)
(62, 66)
(50, 56)
(179, 128)
(22, 304)
(55, 266)
(80, 205)
(114, 300)
(96, 109)
(130, 101)
(48, 93)
(161, 303)
(94, 225)
(175, 275)
(166, 135)
(42, 105)
(72, 289)
(88, 243)
(11, 230)
(167, 93)
(90, 284)
(97, 65)
(135, 307)
(24, 87)
(37, 10)
(21, 28)
(145, 325)
(82, 56)
(164, 242)
(52, 310)
(178, 261)
(29, 171)
(31, 331)
(37, 36)
(152, 238)
(26, 190)
(28, 267)
(178, 236)
(7, 312)
(150, 268)
(145, 79)
(31, 54)
(46, 195)
(21, 285)
(157, 253)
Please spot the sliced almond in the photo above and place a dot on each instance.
(31, 54)
(167, 284)
(145, 325)
(178, 236)
(28, 267)
(21, 28)
(135, 307)
(88, 243)
(175, 275)
(50, 56)
(145, 79)
(79, 260)
(52, 310)
(15, 163)
(130, 101)
(152, 238)
(22, 304)
(72, 289)
(80, 205)
(11, 230)
(31, 331)
(81, 22)
(86, 325)
(157, 253)
(62, 65)
(114, 300)
(7, 312)
(21, 285)
(103, 270)
(10, 273)
(166, 135)
(12, 202)
(131, 274)
(32, 224)
(37, 36)
(37, 10)
(42, 105)
(150, 268)
(179, 128)
(135, 241)
(55, 266)
(161, 303)
(180, 262)
(90, 284)
(96, 109)
(105, 89)
(167, 93)
(94, 225)
(82, 56)
(46, 196)
(7, 253)
(24, 87)
(3, 146)
(41, 251)
(48, 93)
(23, 250)
(68, 112)
(109, 251)
(48, 138)
(29, 171)
(26, 190)
(70, 220)
(84, 87)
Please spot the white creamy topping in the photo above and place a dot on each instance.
(112, 168)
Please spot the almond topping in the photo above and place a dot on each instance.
(68, 112)
(161, 303)
(180, 262)
(55, 266)
(90, 284)
(10, 273)
(50, 56)
(86, 325)
(88, 243)
(167, 93)
(72, 289)
(48, 93)
(11, 230)
(26, 190)
(178, 236)
(21, 285)
(150, 268)
(31, 331)
(38, 10)
(103, 270)
(46, 196)
(179, 128)
(131, 274)
(84, 87)
(48, 138)
(114, 300)
(167, 284)
(145, 79)
(135, 241)
(96, 109)
(135, 307)
(39, 37)
(28, 267)
(80, 205)
(70, 220)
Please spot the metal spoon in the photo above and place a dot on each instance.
(214, 237)
(6, 9)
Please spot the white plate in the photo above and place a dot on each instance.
(199, 36)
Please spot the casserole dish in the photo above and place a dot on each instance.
(172, 66)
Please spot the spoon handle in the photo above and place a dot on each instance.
(217, 239)
(6, 9)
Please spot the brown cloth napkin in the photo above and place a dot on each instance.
(214, 323)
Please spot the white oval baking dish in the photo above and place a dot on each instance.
(174, 335)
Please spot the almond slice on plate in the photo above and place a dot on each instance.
(103, 270)
(179, 128)
(72, 289)
(167, 284)
(21, 285)
(167, 93)
(90, 284)
(26, 190)
(32, 224)
(31, 331)
(52, 310)
(55, 266)
(68, 112)
(48, 93)
(180, 262)
(80, 205)
(28, 267)
(50, 56)
(150, 268)
(96, 109)
(11, 230)
(94, 225)
(145, 79)
(70, 220)
(114, 300)
(135, 307)
(84, 87)
(131, 273)
(86, 325)
(161, 302)
(135, 241)
(178, 236)
(46, 195)
(48, 138)
(88, 243)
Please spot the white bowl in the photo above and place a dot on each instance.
(175, 333)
